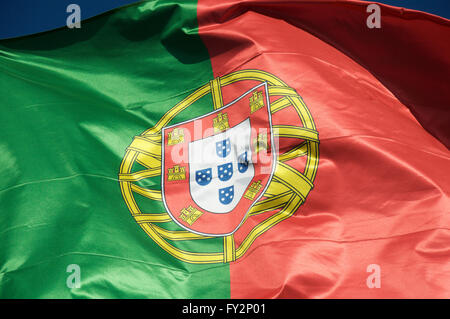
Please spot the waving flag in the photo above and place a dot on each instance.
(232, 149)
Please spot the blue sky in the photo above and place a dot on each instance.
(22, 17)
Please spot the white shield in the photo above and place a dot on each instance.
(218, 174)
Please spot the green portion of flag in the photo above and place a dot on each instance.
(71, 102)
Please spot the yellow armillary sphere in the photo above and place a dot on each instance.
(284, 193)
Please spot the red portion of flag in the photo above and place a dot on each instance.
(408, 54)
(381, 194)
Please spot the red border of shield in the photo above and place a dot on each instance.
(176, 193)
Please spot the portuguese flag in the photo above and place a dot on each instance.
(227, 149)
